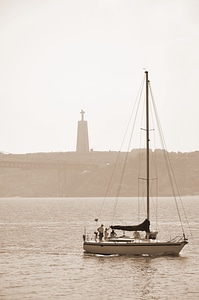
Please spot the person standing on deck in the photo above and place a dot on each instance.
(106, 234)
(101, 232)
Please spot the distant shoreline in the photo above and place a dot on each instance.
(72, 174)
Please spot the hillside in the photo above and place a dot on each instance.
(72, 174)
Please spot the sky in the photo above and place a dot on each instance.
(58, 57)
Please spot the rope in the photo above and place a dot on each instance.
(133, 112)
(172, 179)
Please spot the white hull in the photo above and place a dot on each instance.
(146, 247)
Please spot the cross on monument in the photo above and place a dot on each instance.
(82, 113)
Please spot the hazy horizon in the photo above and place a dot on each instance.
(58, 57)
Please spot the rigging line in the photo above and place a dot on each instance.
(117, 159)
(141, 188)
(170, 171)
(138, 101)
(169, 166)
(134, 112)
(136, 105)
(141, 153)
(138, 202)
(141, 200)
(154, 201)
(154, 160)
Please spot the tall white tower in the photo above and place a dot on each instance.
(82, 135)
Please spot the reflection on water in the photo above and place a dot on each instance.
(42, 257)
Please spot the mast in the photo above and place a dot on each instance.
(147, 141)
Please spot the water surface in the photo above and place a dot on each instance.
(41, 255)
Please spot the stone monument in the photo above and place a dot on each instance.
(82, 135)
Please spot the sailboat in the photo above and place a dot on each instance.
(137, 244)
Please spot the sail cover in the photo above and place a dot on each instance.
(141, 227)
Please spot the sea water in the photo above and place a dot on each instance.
(41, 254)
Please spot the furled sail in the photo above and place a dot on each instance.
(141, 227)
